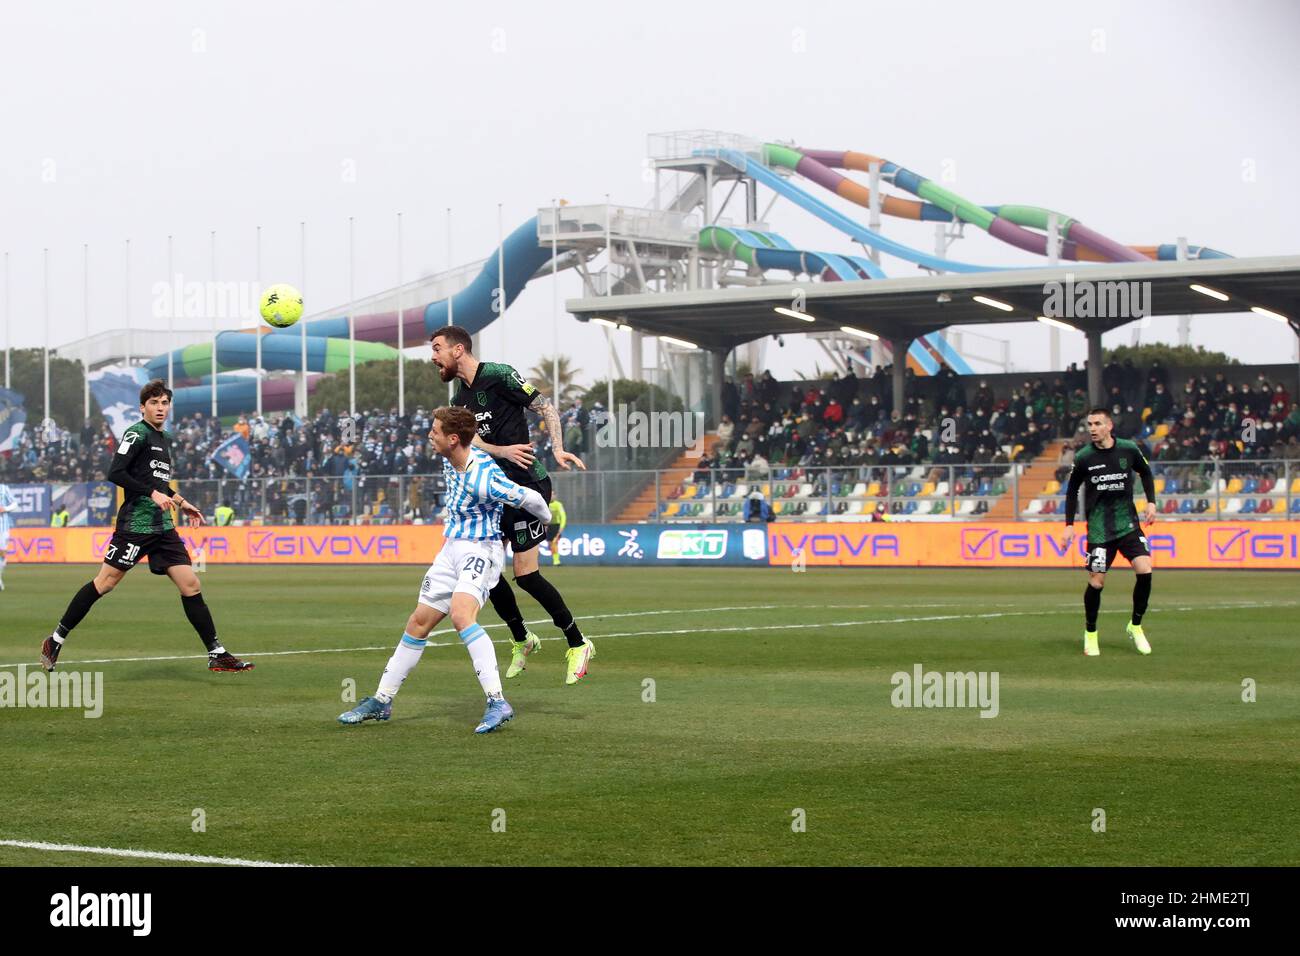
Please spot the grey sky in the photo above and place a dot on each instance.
(142, 119)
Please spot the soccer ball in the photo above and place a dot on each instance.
(281, 305)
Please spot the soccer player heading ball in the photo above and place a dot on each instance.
(497, 396)
(1104, 468)
(466, 569)
(143, 468)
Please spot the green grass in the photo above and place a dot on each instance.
(758, 711)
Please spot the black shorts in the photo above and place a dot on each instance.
(1101, 556)
(521, 530)
(165, 550)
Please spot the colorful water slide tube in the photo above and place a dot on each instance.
(327, 338)
(769, 250)
(761, 173)
(1010, 223)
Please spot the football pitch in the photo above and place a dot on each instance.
(730, 717)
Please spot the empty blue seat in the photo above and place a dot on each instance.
(1250, 507)
(1186, 507)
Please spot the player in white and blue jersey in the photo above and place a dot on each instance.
(467, 568)
(7, 504)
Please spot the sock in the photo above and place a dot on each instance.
(399, 666)
(78, 607)
(196, 609)
(1091, 605)
(544, 593)
(507, 608)
(484, 658)
(1141, 595)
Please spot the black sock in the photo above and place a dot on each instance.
(543, 591)
(1141, 595)
(77, 608)
(503, 602)
(1091, 605)
(196, 609)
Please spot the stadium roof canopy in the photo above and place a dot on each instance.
(906, 308)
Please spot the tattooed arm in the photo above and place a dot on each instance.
(542, 406)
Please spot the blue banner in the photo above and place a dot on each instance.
(13, 415)
(662, 544)
(31, 506)
(233, 455)
(117, 392)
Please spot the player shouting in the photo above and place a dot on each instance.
(466, 569)
(1104, 468)
(497, 396)
(143, 468)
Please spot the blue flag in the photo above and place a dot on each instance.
(13, 415)
(233, 454)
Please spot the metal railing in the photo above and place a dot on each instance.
(1264, 489)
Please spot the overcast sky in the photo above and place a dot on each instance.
(1147, 121)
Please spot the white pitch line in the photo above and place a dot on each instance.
(802, 625)
(141, 854)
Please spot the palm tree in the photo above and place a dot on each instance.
(541, 376)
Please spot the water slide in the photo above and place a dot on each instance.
(327, 338)
(769, 250)
(1010, 223)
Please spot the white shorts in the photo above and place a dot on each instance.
(471, 567)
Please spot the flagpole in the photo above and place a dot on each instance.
(8, 330)
(257, 325)
(85, 321)
(451, 299)
(127, 303)
(212, 267)
(302, 326)
(555, 307)
(171, 318)
(501, 280)
(401, 328)
(352, 323)
(45, 299)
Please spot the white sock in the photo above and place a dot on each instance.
(399, 667)
(484, 658)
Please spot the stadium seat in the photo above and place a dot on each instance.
(967, 507)
(1234, 486)
(1172, 487)
(1250, 507)
(940, 490)
(1232, 507)
(815, 507)
(1185, 506)
(862, 489)
(706, 511)
(670, 510)
(1250, 487)
(835, 489)
(1295, 486)
(805, 490)
(1267, 484)
(927, 489)
(1160, 486)
(1202, 505)
(1052, 488)
(911, 508)
(1265, 505)
(1050, 508)
(1161, 431)
(1295, 506)
(1170, 506)
(1034, 507)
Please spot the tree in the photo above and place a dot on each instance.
(541, 376)
(377, 387)
(67, 382)
(1170, 356)
(643, 395)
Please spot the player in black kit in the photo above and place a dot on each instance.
(143, 469)
(1104, 468)
(498, 396)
